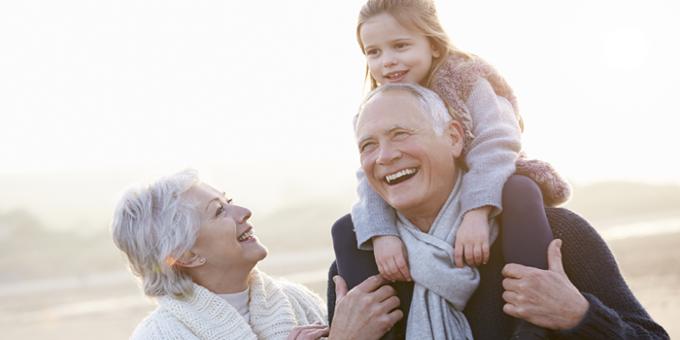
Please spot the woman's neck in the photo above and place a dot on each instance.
(222, 281)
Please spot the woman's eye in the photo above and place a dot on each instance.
(220, 210)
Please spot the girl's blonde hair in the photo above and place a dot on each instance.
(416, 14)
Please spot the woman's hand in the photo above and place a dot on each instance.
(309, 332)
(472, 238)
(390, 256)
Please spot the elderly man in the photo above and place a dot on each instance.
(580, 296)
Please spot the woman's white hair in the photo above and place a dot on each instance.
(428, 100)
(154, 226)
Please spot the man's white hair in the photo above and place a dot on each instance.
(154, 226)
(432, 105)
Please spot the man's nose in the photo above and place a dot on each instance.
(388, 154)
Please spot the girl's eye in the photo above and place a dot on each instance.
(372, 52)
(400, 46)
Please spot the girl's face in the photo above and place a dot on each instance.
(394, 53)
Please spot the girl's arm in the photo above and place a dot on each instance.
(371, 215)
(492, 154)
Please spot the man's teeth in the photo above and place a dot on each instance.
(406, 172)
(246, 235)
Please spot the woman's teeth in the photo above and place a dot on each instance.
(245, 236)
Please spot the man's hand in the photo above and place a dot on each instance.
(308, 332)
(545, 298)
(472, 238)
(367, 311)
(390, 256)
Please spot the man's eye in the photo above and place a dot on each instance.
(367, 147)
(401, 134)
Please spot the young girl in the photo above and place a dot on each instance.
(403, 41)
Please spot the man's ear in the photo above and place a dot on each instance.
(190, 260)
(454, 131)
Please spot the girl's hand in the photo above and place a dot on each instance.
(390, 256)
(309, 332)
(472, 238)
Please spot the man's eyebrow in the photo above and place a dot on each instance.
(224, 194)
(388, 131)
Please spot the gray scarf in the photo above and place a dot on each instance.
(441, 290)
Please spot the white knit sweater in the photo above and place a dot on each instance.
(276, 307)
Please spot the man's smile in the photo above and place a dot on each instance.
(400, 176)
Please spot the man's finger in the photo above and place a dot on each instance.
(555, 256)
(391, 303)
(385, 292)
(370, 284)
(515, 271)
(395, 316)
(511, 285)
(510, 296)
(511, 310)
(340, 288)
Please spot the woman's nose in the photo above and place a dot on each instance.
(243, 215)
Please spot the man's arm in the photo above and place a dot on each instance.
(612, 310)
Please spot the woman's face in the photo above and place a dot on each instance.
(394, 53)
(225, 238)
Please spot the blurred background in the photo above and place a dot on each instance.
(97, 95)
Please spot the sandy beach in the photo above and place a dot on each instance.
(108, 306)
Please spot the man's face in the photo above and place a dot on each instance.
(405, 161)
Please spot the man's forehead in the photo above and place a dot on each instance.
(389, 112)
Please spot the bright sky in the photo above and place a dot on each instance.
(135, 84)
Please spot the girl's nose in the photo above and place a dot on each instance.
(389, 60)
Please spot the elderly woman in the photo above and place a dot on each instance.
(195, 251)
